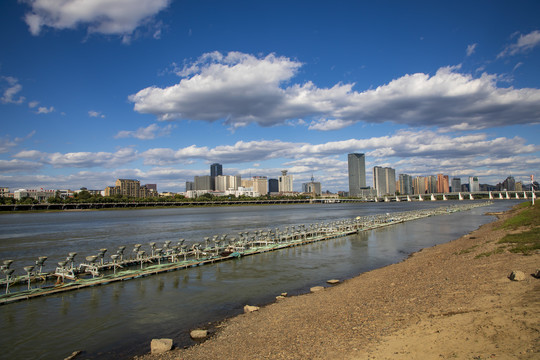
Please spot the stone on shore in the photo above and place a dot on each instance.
(285, 294)
(159, 346)
(198, 334)
(537, 274)
(280, 297)
(249, 308)
(316, 288)
(517, 276)
(73, 355)
(333, 281)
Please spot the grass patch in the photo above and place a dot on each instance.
(499, 250)
(528, 241)
(466, 251)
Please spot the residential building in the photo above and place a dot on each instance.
(419, 185)
(357, 173)
(443, 185)
(190, 185)
(405, 184)
(227, 182)
(39, 195)
(312, 187)
(509, 184)
(130, 188)
(384, 180)
(285, 182)
(204, 182)
(4, 192)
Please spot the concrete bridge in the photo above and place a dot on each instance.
(491, 195)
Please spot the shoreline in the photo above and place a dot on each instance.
(464, 305)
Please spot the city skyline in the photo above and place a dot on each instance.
(169, 88)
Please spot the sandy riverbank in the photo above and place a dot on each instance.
(441, 303)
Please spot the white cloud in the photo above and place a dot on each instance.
(150, 132)
(96, 114)
(110, 17)
(16, 165)
(9, 95)
(44, 110)
(81, 159)
(471, 49)
(242, 89)
(524, 43)
(33, 104)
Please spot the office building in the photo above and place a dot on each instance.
(260, 184)
(273, 185)
(216, 170)
(190, 185)
(285, 182)
(205, 182)
(474, 184)
(456, 184)
(227, 182)
(357, 173)
(312, 187)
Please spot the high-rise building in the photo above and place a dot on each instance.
(456, 184)
(509, 184)
(190, 185)
(357, 173)
(205, 182)
(474, 184)
(443, 185)
(313, 187)
(419, 185)
(216, 170)
(405, 184)
(260, 184)
(285, 182)
(384, 180)
(227, 182)
(273, 185)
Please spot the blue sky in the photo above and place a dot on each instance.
(157, 90)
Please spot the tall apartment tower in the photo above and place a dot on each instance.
(357, 173)
(285, 182)
(405, 184)
(474, 184)
(384, 180)
(443, 185)
(216, 170)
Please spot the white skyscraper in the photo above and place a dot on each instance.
(357, 174)
(285, 182)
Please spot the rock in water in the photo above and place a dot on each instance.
(517, 276)
(159, 346)
(316, 288)
(333, 281)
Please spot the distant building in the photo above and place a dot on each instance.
(456, 184)
(419, 185)
(509, 184)
(312, 187)
(216, 169)
(227, 182)
(285, 182)
(384, 180)
(190, 185)
(519, 186)
(39, 195)
(4, 192)
(204, 182)
(357, 173)
(130, 188)
(431, 184)
(405, 184)
(273, 185)
(474, 184)
(443, 185)
(260, 184)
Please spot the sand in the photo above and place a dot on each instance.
(441, 303)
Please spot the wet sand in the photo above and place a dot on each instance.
(440, 303)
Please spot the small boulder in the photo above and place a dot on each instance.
(280, 297)
(316, 288)
(249, 308)
(285, 294)
(517, 276)
(159, 346)
(333, 281)
(198, 334)
(537, 274)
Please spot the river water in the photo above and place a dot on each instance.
(120, 319)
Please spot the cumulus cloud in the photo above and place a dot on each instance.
(110, 17)
(523, 44)
(150, 132)
(242, 89)
(81, 159)
(16, 165)
(44, 110)
(11, 88)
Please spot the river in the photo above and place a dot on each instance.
(120, 319)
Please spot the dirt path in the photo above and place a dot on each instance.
(441, 303)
